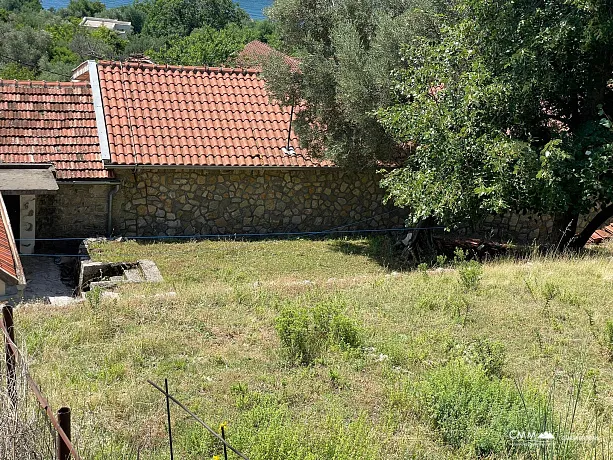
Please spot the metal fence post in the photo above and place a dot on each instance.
(11, 379)
(223, 435)
(169, 423)
(63, 418)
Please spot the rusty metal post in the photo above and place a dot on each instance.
(63, 418)
(11, 379)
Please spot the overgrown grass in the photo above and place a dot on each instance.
(316, 349)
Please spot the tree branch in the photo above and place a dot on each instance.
(582, 238)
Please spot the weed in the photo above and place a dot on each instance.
(94, 298)
(470, 274)
(608, 333)
(307, 332)
(488, 354)
(441, 260)
(472, 411)
(549, 291)
(459, 256)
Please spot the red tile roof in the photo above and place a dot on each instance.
(255, 53)
(601, 235)
(190, 116)
(10, 265)
(50, 123)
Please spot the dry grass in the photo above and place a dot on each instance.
(216, 343)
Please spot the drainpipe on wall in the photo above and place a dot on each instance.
(109, 219)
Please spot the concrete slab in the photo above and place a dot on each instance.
(44, 278)
(29, 181)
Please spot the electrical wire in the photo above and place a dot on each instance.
(242, 235)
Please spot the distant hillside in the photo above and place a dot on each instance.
(253, 7)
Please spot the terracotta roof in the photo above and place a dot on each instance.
(601, 235)
(10, 265)
(191, 116)
(255, 53)
(43, 122)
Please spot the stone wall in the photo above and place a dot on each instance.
(522, 229)
(73, 211)
(213, 201)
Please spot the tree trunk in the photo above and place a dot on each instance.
(582, 238)
(419, 244)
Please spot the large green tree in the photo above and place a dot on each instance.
(211, 47)
(507, 110)
(347, 49)
(178, 18)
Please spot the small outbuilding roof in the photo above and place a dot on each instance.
(42, 122)
(255, 53)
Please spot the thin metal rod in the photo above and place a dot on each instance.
(11, 379)
(225, 449)
(63, 417)
(289, 129)
(198, 419)
(168, 415)
(42, 401)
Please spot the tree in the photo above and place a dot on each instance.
(178, 18)
(347, 50)
(208, 46)
(82, 8)
(131, 13)
(20, 5)
(508, 110)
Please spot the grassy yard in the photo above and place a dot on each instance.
(318, 350)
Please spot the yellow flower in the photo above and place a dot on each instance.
(223, 425)
(216, 457)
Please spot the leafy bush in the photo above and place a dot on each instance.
(470, 274)
(307, 332)
(488, 354)
(472, 411)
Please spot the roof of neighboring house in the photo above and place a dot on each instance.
(603, 234)
(11, 271)
(255, 53)
(42, 122)
(194, 116)
(88, 20)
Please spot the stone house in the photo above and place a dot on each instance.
(141, 149)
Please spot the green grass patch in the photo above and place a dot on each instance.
(319, 349)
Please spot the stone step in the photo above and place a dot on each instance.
(133, 275)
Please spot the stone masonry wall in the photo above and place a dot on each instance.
(523, 229)
(188, 202)
(73, 211)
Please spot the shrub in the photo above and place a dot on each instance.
(307, 332)
(488, 354)
(300, 341)
(470, 274)
(472, 411)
